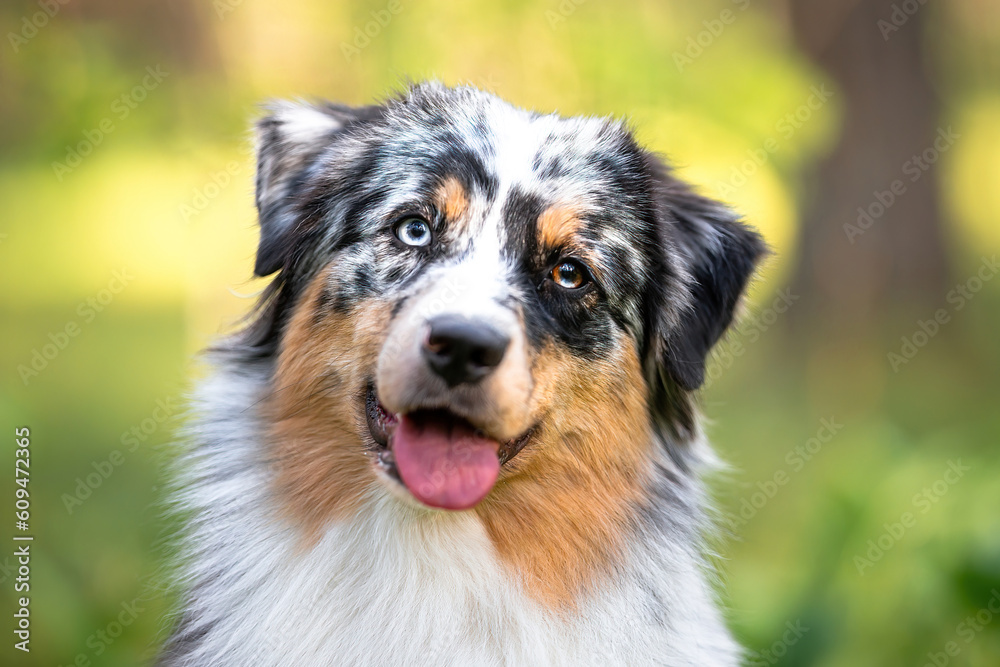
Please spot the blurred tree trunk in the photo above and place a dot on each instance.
(854, 266)
(179, 31)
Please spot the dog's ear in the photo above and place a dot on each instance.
(715, 254)
(289, 138)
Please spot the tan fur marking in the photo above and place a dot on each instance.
(317, 409)
(557, 225)
(559, 515)
(453, 200)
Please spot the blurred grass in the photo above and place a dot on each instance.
(86, 564)
(793, 561)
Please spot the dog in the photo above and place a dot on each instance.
(460, 427)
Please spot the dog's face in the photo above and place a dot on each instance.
(479, 306)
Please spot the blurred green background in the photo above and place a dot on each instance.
(857, 403)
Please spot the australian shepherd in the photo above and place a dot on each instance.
(460, 426)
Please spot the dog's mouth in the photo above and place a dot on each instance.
(441, 458)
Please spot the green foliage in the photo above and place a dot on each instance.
(153, 197)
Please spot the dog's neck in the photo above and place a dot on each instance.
(397, 584)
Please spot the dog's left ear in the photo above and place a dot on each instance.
(706, 241)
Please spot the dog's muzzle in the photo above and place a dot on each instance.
(449, 402)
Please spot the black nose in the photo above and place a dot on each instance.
(462, 350)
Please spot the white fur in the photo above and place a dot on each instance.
(399, 585)
(303, 124)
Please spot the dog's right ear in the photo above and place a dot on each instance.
(289, 138)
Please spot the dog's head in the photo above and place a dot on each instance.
(480, 306)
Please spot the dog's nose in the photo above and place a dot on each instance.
(463, 350)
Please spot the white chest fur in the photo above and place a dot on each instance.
(397, 585)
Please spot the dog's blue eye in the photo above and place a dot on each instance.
(413, 232)
(569, 274)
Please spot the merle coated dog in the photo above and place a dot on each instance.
(460, 427)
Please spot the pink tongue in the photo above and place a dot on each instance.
(443, 462)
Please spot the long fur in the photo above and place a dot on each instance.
(398, 584)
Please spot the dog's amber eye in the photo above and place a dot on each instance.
(414, 232)
(569, 274)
